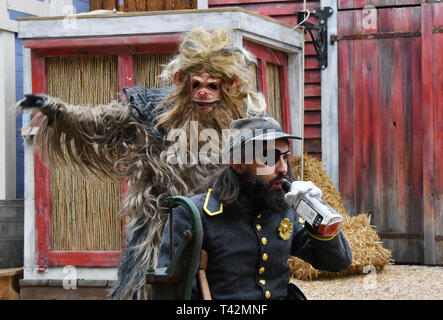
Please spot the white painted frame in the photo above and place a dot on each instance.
(329, 102)
(35, 8)
(8, 28)
(202, 4)
(255, 26)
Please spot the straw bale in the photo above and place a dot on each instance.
(363, 240)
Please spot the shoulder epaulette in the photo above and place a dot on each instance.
(212, 206)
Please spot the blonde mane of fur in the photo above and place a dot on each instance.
(212, 52)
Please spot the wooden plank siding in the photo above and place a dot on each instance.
(358, 4)
(438, 127)
(285, 11)
(376, 125)
(141, 5)
(432, 119)
(390, 125)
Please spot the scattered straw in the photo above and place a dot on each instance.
(394, 282)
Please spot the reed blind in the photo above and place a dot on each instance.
(274, 92)
(85, 212)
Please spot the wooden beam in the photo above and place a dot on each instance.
(41, 174)
(95, 5)
(7, 117)
(109, 5)
(296, 99)
(375, 35)
(329, 102)
(202, 4)
(125, 71)
(83, 258)
(103, 42)
(256, 27)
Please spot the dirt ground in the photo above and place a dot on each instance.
(394, 282)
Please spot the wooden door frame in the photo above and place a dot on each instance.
(45, 256)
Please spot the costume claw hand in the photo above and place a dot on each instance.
(33, 101)
(300, 188)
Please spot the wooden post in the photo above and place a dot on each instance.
(329, 101)
(429, 198)
(296, 98)
(202, 4)
(95, 5)
(125, 71)
(109, 5)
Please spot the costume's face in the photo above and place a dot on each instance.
(272, 173)
(205, 92)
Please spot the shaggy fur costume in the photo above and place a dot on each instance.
(130, 139)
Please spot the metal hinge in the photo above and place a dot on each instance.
(321, 40)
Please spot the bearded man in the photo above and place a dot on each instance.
(249, 230)
(211, 87)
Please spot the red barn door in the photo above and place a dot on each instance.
(390, 123)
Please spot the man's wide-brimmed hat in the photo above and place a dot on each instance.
(242, 131)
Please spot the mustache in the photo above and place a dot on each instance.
(279, 177)
(256, 181)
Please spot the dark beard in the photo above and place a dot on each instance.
(257, 194)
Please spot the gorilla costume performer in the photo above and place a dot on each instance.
(212, 85)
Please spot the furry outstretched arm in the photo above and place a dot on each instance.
(91, 138)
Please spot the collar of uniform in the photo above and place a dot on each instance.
(212, 206)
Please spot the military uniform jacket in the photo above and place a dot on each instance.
(248, 252)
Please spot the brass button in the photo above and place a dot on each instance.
(268, 294)
(265, 257)
(262, 281)
(261, 270)
(258, 227)
(259, 216)
(264, 241)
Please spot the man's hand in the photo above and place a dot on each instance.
(299, 188)
(32, 101)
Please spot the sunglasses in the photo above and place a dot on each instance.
(270, 157)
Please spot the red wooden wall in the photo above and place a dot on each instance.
(142, 5)
(390, 124)
(284, 11)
